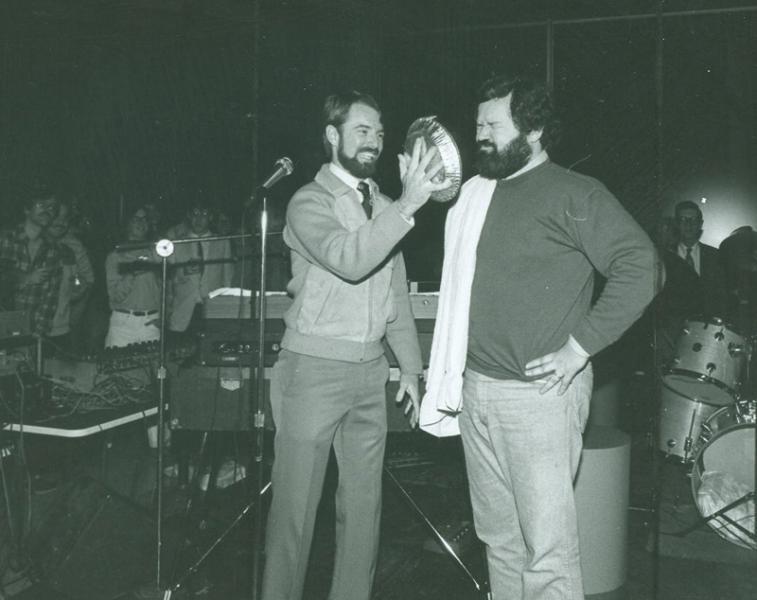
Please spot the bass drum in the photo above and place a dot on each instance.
(723, 471)
(680, 425)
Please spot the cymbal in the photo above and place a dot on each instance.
(435, 134)
(739, 250)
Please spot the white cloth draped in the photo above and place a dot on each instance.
(442, 401)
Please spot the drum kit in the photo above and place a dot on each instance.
(707, 422)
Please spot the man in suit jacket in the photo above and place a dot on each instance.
(703, 259)
(198, 268)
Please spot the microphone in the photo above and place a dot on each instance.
(284, 167)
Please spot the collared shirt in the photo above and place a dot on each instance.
(352, 182)
(40, 300)
(349, 179)
(696, 254)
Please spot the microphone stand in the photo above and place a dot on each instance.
(164, 248)
(257, 419)
(257, 414)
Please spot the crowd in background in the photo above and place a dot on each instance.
(82, 294)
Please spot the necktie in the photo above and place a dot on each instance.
(365, 190)
(689, 258)
(200, 258)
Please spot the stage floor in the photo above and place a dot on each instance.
(114, 479)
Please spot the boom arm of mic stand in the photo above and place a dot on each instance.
(164, 243)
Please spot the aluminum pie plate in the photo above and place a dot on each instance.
(435, 134)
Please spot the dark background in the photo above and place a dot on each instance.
(122, 102)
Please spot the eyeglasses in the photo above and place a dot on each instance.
(200, 212)
(48, 204)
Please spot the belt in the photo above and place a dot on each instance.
(136, 313)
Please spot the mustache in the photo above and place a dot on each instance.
(368, 150)
(485, 146)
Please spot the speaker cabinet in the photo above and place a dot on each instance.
(212, 399)
(95, 543)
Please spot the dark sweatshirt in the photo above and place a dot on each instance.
(544, 234)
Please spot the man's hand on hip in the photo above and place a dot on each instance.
(561, 367)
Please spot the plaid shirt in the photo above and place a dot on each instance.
(38, 300)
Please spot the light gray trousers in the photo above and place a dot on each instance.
(317, 403)
(522, 451)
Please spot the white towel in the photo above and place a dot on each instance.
(443, 399)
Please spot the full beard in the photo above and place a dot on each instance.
(355, 167)
(494, 164)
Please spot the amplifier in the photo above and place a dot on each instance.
(232, 342)
(202, 399)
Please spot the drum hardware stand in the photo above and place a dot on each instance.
(721, 513)
(448, 549)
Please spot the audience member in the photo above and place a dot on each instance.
(197, 269)
(76, 282)
(702, 259)
(31, 264)
(133, 284)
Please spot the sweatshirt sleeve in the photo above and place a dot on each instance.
(313, 230)
(621, 251)
(402, 333)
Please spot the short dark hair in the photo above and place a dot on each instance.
(37, 190)
(531, 106)
(687, 204)
(336, 107)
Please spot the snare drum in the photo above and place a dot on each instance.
(723, 470)
(709, 363)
